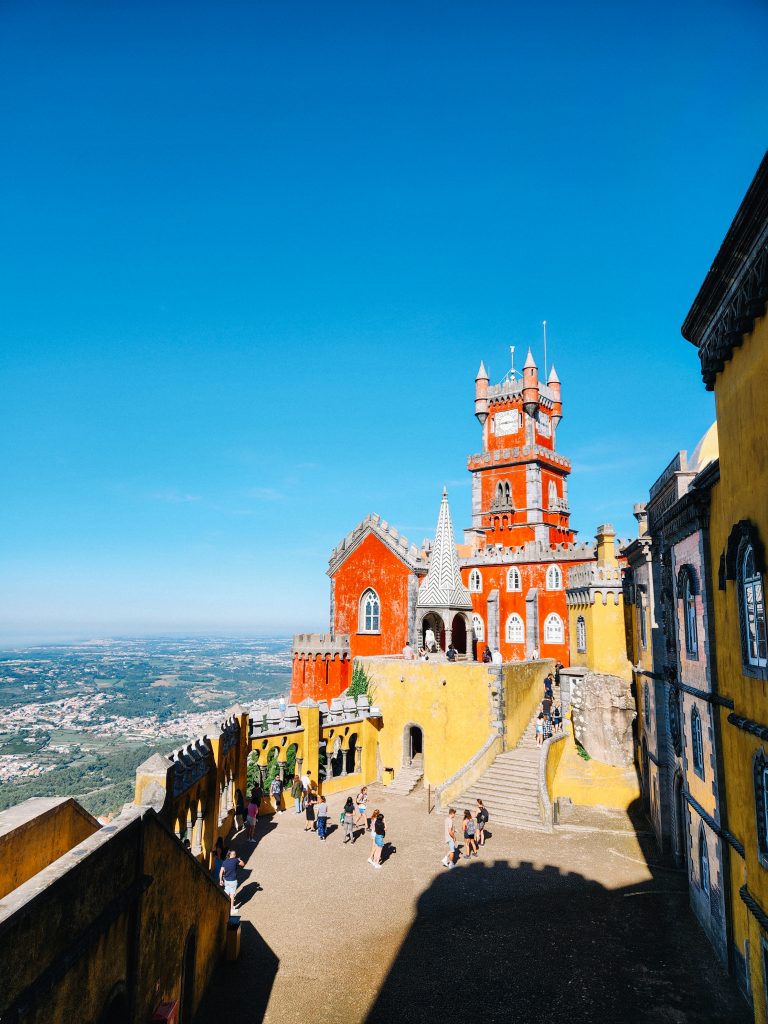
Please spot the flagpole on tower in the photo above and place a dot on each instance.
(544, 325)
(512, 356)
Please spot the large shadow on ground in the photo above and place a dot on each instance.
(497, 943)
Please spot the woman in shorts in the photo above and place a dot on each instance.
(482, 820)
(469, 834)
(539, 728)
(379, 831)
(362, 801)
(309, 806)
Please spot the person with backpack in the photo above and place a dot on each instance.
(276, 792)
(449, 860)
(297, 792)
(321, 812)
(482, 820)
(379, 831)
(469, 834)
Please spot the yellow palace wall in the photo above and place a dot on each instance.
(740, 396)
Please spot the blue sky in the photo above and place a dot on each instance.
(251, 256)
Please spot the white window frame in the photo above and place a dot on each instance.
(697, 743)
(554, 620)
(369, 597)
(554, 578)
(581, 635)
(752, 608)
(478, 628)
(475, 582)
(704, 879)
(514, 580)
(517, 621)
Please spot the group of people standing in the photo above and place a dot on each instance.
(473, 833)
(549, 719)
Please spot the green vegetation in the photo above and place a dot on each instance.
(361, 685)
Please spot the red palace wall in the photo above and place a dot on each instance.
(320, 678)
(372, 564)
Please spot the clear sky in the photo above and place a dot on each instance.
(252, 254)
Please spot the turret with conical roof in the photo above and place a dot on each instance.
(553, 383)
(530, 385)
(481, 394)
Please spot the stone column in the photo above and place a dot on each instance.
(299, 763)
(343, 761)
(358, 759)
(197, 837)
(281, 771)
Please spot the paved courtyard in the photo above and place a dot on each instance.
(576, 926)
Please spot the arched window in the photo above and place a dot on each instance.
(370, 612)
(515, 632)
(697, 746)
(514, 581)
(581, 635)
(640, 603)
(752, 610)
(552, 494)
(500, 494)
(703, 861)
(554, 578)
(507, 493)
(475, 581)
(553, 629)
(687, 589)
(647, 705)
(479, 628)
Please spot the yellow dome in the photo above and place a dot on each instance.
(706, 451)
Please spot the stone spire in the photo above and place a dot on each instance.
(443, 587)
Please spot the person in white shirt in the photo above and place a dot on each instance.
(496, 656)
(408, 654)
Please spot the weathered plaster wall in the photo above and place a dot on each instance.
(37, 832)
(603, 709)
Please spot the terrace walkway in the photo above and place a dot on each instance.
(572, 926)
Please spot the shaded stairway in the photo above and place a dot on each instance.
(510, 787)
(406, 779)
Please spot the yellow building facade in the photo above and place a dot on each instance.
(728, 325)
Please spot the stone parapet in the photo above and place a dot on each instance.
(320, 645)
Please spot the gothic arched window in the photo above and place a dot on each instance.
(697, 745)
(760, 771)
(552, 494)
(581, 635)
(752, 610)
(703, 861)
(507, 493)
(553, 629)
(514, 581)
(554, 578)
(370, 612)
(515, 631)
(687, 589)
(479, 628)
(475, 581)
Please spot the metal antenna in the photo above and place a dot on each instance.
(512, 355)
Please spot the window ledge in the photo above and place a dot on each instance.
(368, 632)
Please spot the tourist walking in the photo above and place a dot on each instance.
(321, 813)
(449, 860)
(297, 792)
(306, 782)
(228, 875)
(348, 820)
(239, 809)
(309, 810)
(379, 831)
(481, 817)
(539, 728)
(549, 683)
(362, 802)
(469, 834)
(276, 792)
(557, 718)
(253, 815)
(219, 853)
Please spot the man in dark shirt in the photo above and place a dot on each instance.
(451, 654)
(228, 875)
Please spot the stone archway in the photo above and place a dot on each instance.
(459, 633)
(413, 744)
(434, 622)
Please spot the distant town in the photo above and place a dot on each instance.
(79, 719)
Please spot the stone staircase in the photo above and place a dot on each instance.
(406, 779)
(510, 787)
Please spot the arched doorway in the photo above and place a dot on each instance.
(679, 820)
(116, 1008)
(433, 623)
(413, 745)
(187, 1001)
(459, 634)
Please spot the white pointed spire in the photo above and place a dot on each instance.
(482, 373)
(443, 587)
(553, 378)
(530, 361)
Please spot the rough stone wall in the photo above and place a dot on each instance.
(603, 711)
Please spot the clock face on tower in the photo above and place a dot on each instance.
(507, 422)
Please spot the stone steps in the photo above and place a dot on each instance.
(405, 781)
(510, 787)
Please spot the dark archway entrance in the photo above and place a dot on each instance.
(459, 634)
(413, 745)
(434, 623)
(679, 821)
(187, 1002)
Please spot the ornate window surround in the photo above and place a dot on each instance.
(514, 630)
(554, 578)
(704, 879)
(687, 591)
(478, 627)
(697, 743)
(475, 582)
(553, 622)
(514, 580)
(581, 635)
(760, 776)
(369, 612)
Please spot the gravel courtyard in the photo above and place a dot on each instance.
(577, 926)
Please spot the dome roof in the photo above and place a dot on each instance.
(706, 451)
